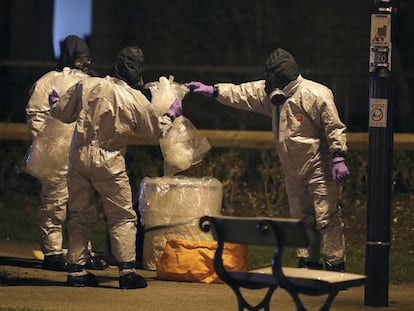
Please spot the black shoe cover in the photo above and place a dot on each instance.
(337, 268)
(309, 264)
(55, 263)
(131, 281)
(87, 279)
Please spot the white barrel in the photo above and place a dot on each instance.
(170, 207)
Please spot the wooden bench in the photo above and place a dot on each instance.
(280, 233)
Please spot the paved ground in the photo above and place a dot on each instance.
(23, 284)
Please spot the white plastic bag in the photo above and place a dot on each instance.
(182, 146)
(48, 154)
(49, 151)
(164, 92)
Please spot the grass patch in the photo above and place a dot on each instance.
(261, 256)
(19, 221)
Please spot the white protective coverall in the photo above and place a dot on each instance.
(307, 131)
(105, 109)
(54, 193)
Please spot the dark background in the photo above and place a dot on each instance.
(218, 41)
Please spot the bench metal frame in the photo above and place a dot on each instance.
(280, 233)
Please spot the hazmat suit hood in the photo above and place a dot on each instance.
(280, 69)
(74, 49)
(129, 66)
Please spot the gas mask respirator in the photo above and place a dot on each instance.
(272, 88)
(277, 97)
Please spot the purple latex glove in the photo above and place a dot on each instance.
(53, 97)
(175, 110)
(340, 171)
(200, 88)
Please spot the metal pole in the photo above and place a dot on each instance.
(380, 157)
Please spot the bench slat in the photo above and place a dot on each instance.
(243, 230)
(318, 279)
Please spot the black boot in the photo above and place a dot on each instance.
(55, 263)
(337, 268)
(128, 278)
(303, 263)
(79, 277)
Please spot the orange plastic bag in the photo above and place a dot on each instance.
(192, 261)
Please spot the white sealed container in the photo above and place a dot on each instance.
(170, 207)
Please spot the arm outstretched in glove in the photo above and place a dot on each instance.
(201, 88)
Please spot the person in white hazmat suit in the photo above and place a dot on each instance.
(73, 66)
(105, 110)
(311, 143)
